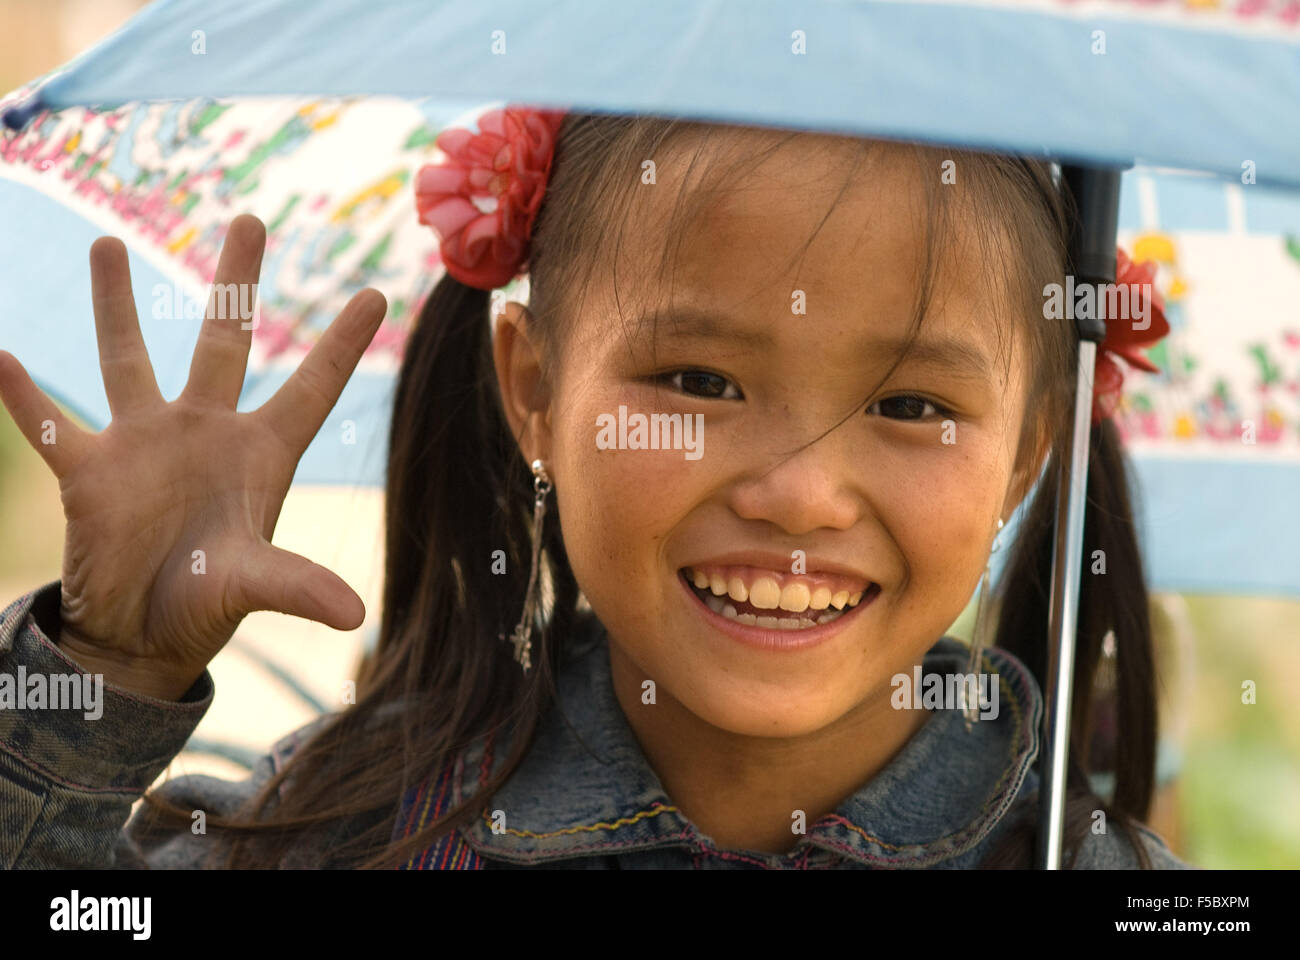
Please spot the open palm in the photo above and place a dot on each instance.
(171, 508)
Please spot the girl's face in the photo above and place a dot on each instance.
(769, 346)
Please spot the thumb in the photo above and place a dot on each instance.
(269, 578)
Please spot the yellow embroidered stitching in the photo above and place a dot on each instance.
(622, 822)
(589, 828)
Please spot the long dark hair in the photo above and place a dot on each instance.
(1113, 599)
(458, 490)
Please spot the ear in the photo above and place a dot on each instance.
(525, 392)
(1036, 444)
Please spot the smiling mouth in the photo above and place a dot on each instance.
(747, 614)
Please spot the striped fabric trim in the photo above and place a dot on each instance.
(426, 803)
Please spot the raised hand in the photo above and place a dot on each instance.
(171, 508)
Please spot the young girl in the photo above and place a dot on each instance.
(747, 451)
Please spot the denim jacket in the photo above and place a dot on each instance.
(584, 797)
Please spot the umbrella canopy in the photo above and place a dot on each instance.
(1189, 85)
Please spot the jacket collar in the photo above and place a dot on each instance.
(586, 789)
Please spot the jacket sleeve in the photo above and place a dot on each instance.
(1114, 851)
(69, 777)
(1106, 845)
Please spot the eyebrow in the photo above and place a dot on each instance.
(954, 355)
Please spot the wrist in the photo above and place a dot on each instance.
(125, 672)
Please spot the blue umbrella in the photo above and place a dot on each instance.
(1203, 89)
(1098, 87)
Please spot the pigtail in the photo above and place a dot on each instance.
(458, 491)
(448, 479)
(1116, 601)
(1113, 598)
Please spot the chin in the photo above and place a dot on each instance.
(750, 709)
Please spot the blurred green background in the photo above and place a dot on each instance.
(1235, 801)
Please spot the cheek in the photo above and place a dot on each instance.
(619, 505)
(940, 506)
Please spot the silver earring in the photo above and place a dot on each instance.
(979, 635)
(522, 637)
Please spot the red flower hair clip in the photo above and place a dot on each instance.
(483, 198)
(1123, 339)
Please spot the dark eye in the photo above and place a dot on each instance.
(701, 383)
(905, 407)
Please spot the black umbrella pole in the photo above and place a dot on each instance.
(1092, 260)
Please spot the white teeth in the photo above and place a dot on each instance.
(765, 594)
(719, 605)
(795, 597)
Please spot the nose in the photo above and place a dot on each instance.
(809, 490)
